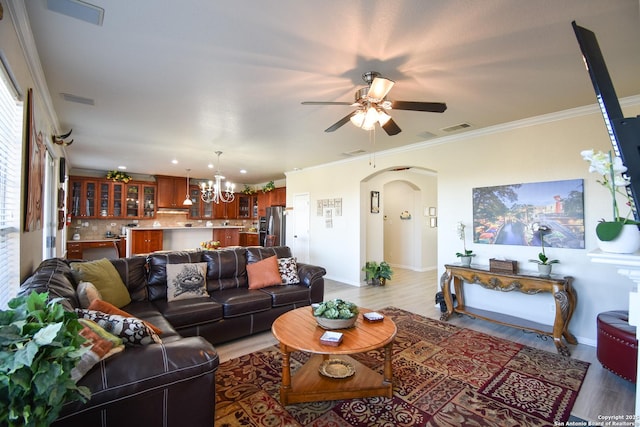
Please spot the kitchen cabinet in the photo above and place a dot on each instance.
(199, 209)
(171, 191)
(75, 250)
(140, 200)
(111, 199)
(226, 210)
(83, 197)
(145, 241)
(247, 206)
(276, 197)
(227, 236)
(249, 239)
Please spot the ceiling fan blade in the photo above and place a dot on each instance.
(340, 123)
(380, 87)
(391, 128)
(325, 103)
(430, 107)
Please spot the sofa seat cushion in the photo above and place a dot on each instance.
(148, 312)
(239, 302)
(287, 294)
(190, 312)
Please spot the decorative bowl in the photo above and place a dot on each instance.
(329, 324)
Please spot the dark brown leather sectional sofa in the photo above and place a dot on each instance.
(173, 383)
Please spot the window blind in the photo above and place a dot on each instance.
(11, 119)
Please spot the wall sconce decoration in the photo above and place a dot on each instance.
(405, 215)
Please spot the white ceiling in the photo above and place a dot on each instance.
(184, 79)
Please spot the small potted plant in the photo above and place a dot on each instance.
(544, 263)
(466, 254)
(377, 274)
(40, 346)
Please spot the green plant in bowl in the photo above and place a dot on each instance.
(336, 314)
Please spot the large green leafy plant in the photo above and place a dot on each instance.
(39, 346)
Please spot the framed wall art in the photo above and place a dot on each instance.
(511, 214)
(375, 202)
(34, 171)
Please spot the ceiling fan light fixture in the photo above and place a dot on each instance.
(370, 118)
(380, 87)
(383, 117)
(358, 118)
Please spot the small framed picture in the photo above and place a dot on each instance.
(433, 221)
(432, 211)
(375, 202)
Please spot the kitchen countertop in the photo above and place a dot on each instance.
(106, 239)
(185, 228)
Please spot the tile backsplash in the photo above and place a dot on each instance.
(95, 229)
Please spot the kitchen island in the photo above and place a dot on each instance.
(143, 240)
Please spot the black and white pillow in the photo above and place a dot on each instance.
(188, 280)
(131, 330)
(288, 271)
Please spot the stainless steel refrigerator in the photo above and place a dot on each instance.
(276, 224)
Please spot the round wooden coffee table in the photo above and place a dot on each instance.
(297, 330)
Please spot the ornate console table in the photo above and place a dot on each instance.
(559, 287)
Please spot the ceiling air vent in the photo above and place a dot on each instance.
(78, 9)
(354, 153)
(78, 99)
(457, 127)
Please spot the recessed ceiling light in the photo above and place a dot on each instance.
(174, 161)
(122, 168)
(243, 171)
(210, 165)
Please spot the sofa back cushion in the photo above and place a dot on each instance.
(53, 276)
(226, 269)
(258, 253)
(157, 263)
(133, 271)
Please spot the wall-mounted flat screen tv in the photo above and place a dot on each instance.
(623, 132)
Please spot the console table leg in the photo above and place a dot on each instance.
(445, 286)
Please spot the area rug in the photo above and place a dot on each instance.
(443, 375)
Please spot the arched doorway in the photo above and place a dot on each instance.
(412, 242)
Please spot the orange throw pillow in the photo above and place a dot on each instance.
(108, 308)
(264, 273)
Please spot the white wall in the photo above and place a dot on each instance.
(544, 148)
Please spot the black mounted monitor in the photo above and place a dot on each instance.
(623, 132)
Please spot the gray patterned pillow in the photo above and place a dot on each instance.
(187, 280)
(131, 330)
(288, 271)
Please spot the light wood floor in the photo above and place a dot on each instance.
(602, 393)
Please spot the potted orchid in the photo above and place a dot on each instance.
(466, 254)
(611, 169)
(544, 263)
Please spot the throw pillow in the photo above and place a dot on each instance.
(105, 278)
(133, 331)
(101, 345)
(186, 281)
(264, 273)
(288, 270)
(105, 307)
(87, 293)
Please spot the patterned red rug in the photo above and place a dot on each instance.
(443, 375)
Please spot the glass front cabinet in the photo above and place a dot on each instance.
(199, 209)
(83, 197)
(140, 201)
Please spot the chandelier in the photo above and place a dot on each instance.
(212, 191)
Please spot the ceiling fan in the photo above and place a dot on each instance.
(372, 106)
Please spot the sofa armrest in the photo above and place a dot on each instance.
(309, 273)
(142, 373)
(311, 276)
